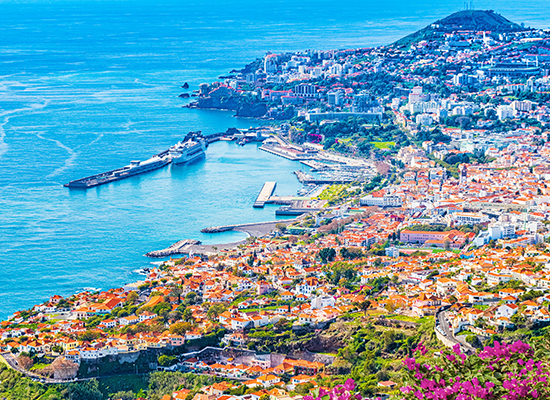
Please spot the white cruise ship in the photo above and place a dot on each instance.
(191, 147)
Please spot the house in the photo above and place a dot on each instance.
(107, 324)
(320, 302)
(146, 315)
(180, 394)
(305, 319)
(268, 380)
(445, 286)
(506, 310)
(287, 296)
(176, 340)
(308, 286)
(129, 320)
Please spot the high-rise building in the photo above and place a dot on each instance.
(270, 63)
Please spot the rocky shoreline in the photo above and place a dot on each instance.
(188, 246)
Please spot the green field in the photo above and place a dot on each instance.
(332, 192)
(383, 145)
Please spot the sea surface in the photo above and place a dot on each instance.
(87, 86)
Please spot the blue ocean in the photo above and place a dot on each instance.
(87, 86)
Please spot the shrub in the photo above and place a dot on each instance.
(505, 371)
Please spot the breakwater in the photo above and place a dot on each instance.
(181, 247)
(194, 246)
(254, 229)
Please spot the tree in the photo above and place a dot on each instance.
(327, 254)
(474, 341)
(281, 227)
(191, 298)
(180, 328)
(88, 390)
(166, 361)
(89, 336)
(363, 306)
(57, 349)
(132, 298)
(162, 309)
(215, 310)
(124, 395)
(187, 314)
(176, 292)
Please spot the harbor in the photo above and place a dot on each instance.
(304, 203)
(133, 169)
(191, 147)
(265, 194)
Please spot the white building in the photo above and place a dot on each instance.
(504, 112)
(319, 302)
(463, 218)
(381, 201)
(506, 310)
(424, 119)
(392, 251)
(270, 63)
(521, 105)
(305, 90)
(335, 98)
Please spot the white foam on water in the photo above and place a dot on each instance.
(6, 118)
(69, 162)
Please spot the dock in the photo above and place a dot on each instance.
(265, 194)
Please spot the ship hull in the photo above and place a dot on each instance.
(113, 176)
(182, 160)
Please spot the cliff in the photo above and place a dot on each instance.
(233, 103)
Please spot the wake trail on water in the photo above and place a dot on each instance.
(69, 162)
(6, 119)
(96, 139)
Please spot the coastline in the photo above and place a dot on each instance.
(188, 246)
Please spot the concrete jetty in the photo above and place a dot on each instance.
(265, 194)
(258, 229)
(181, 247)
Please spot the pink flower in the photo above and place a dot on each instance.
(349, 385)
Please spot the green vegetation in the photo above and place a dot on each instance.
(332, 192)
(383, 145)
(373, 353)
(473, 20)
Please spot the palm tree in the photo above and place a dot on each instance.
(176, 292)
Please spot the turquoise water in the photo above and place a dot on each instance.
(86, 86)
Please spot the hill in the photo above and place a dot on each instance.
(467, 20)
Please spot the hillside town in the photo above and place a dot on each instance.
(447, 238)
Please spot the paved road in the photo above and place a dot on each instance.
(444, 324)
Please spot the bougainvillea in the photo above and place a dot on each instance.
(340, 392)
(505, 371)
